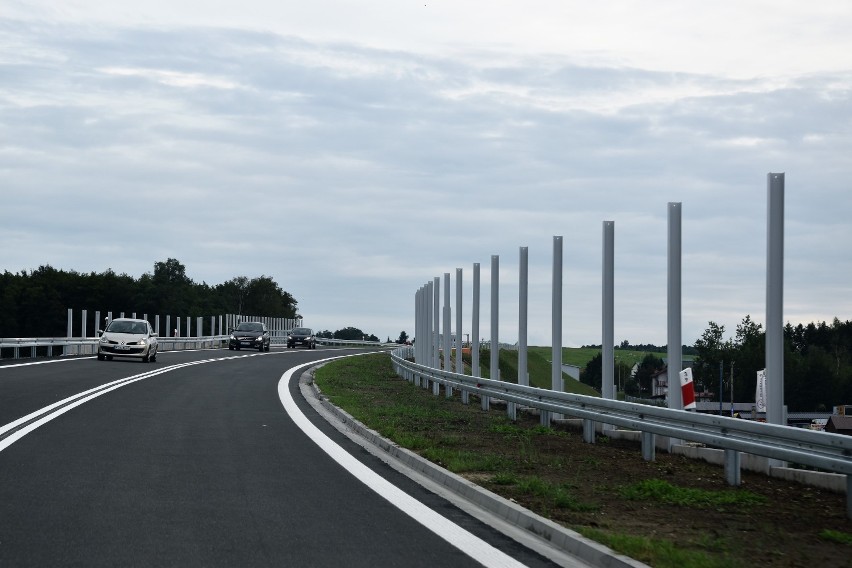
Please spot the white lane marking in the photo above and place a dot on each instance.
(465, 541)
(64, 405)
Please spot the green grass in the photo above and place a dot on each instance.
(514, 459)
(836, 536)
(663, 491)
(658, 552)
(538, 367)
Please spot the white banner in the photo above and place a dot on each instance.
(760, 391)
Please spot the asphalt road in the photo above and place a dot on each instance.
(194, 461)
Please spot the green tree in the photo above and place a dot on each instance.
(349, 333)
(712, 351)
(592, 373)
(648, 367)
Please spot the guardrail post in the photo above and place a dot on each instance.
(849, 496)
(733, 473)
(589, 431)
(649, 448)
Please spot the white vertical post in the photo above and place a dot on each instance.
(157, 324)
(494, 363)
(429, 346)
(459, 335)
(474, 328)
(448, 348)
(436, 323)
(70, 322)
(775, 299)
(608, 313)
(675, 356)
(556, 328)
(97, 321)
(523, 319)
(84, 330)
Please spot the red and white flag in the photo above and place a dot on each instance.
(687, 389)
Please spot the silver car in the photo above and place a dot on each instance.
(127, 337)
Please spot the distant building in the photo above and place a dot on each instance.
(839, 424)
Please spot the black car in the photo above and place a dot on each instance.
(302, 336)
(251, 335)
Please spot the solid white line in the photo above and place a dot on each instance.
(465, 541)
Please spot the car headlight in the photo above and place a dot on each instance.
(143, 342)
(233, 336)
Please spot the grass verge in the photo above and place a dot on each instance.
(673, 512)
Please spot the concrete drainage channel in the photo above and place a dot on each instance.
(553, 541)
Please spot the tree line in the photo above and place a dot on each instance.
(35, 303)
(817, 364)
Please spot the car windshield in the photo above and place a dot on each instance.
(250, 326)
(136, 327)
(302, 331)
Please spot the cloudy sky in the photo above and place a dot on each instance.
(354, 150)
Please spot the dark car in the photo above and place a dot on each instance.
(302, 336)
(251, 335)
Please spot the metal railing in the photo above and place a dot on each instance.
(30, 347)
(23, 347)
(821, 450)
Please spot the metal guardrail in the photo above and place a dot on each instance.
(89, 345)
(28, 347)
(821, 450)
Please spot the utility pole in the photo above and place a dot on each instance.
(721, 391)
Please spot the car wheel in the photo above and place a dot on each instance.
(146, 358)
(230, 347)
(237, 348)
(101, 357)
(260, 348)
(153, 358)
(109, 357)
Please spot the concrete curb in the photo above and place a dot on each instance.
(566, 547)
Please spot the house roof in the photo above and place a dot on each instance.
(839, 424)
